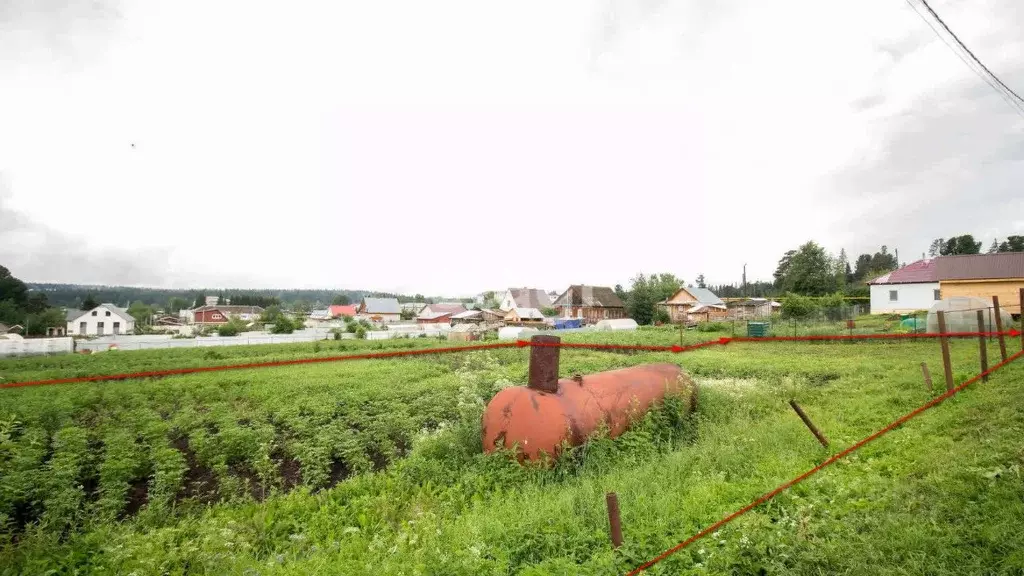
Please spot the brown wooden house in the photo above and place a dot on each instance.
(591, 303)
(695, 305)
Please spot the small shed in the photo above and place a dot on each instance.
(468, 317)
(524, 315)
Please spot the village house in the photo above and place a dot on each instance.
(918, 285)
(750, 308)
(14, 329)
(382, 310)
(692, 304)
(439, 313)
(214, 313)
(524, 316)
(524, 298)
(413, 308)
(590, 303)
(341, 310)
(912, 287)
(102, 320)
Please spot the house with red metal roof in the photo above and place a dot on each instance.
(912, 287)
(918, 285)
(338, 310)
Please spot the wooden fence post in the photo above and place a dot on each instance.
(982, 346)
(614, 522)
(999, 327)
(810, 425)
(944, 343)
(1021, 310)
(927, 376)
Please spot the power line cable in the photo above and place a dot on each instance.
(971, 54)
(1012, 98)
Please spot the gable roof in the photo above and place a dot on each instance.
(381, 306)
(341, 310)
(119, 312)
(229, 310)
(72, 314)
(915, 272)
(705, 296)
(590, 296)
(437, 309)
(530, 298)
(468, 314)
(981, 266)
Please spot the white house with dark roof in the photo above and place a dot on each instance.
(524, 298)
(102, 320)
(912, 287)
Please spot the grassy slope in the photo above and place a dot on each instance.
(941, 495)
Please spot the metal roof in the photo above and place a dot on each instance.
(981, 266)
(382, 306)
(119, 312)
(705, 296)
(915, 272)
(468, 314)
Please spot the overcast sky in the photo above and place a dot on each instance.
(455, 147)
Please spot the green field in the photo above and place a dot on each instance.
(374, 466)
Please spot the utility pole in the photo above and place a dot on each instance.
(743, 290)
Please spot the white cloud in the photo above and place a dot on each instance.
(459, 146)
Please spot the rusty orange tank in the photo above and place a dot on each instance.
(549, 411)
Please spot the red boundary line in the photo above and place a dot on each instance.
(833, 459)
(518, 344)
(178, 371)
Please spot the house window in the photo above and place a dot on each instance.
(938, 294)
(99, 328)
(82, 327)
(117, 327)
(108, 313)
(892, 295)
(606, 313)
(93, 312)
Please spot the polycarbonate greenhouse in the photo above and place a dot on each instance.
(962, 315)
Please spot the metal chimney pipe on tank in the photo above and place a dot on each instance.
(544, 363)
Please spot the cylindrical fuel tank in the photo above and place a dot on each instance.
(540, 420)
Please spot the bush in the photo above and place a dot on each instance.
(661, 315)
(797, 306)
(360, 332)
(712, 327)
(283, 325)
(232, 328)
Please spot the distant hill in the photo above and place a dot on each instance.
(72, 295)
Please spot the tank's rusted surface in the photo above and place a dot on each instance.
(539, 421)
